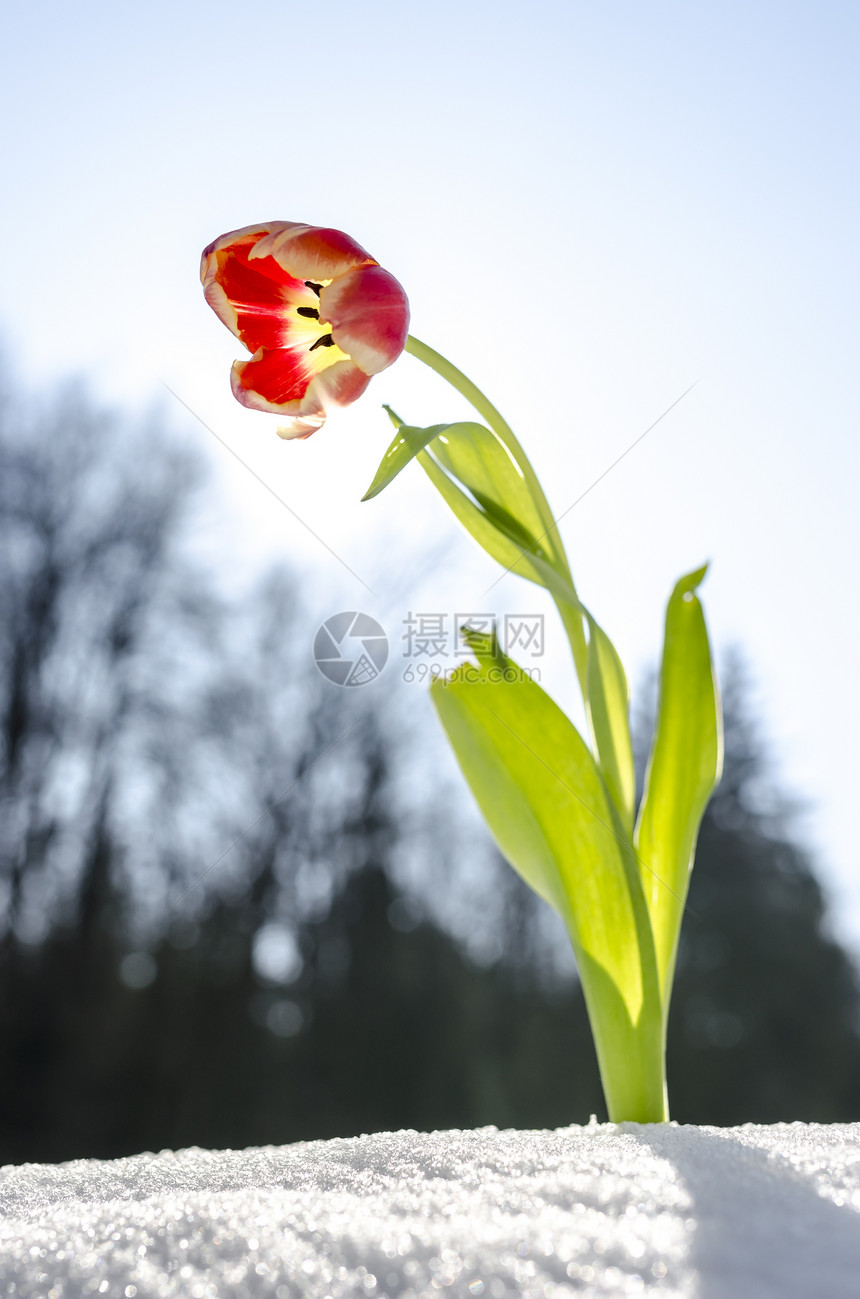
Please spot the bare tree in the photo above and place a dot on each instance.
(90, 516)
(158, 745)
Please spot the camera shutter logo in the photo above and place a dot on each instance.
(351, 649)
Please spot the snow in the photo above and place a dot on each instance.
(716, 1213)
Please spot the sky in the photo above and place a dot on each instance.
(591, 207)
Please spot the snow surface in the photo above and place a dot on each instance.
(598, 1210)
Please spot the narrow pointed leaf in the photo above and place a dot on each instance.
(496, 476)
(499, 535)
(480, 481)
(684, 767)
(486, 467)
(605, 682)
(407, 443)
(499, 501)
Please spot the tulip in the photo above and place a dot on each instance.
(318, 313)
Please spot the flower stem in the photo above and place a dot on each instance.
(436, 361)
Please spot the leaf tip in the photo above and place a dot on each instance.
(686, 585)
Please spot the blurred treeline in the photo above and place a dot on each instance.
(206, 938)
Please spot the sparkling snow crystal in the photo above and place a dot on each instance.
(602, 1210)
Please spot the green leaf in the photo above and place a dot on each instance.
(608, 707)
(501, 536)
(498, 499)
(541, 793)
(405, 447)
(491, 487)
(479, 478)
(606, 690)
(546, 804)
(684, 767)
(497, 532)
(482, 464)
(486, 467)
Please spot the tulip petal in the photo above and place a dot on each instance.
(278, 381)
(275, 377)
(339, 384)
(238, 236)
(311, 252)
(257, 303)
(369, 315)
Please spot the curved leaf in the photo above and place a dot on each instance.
(487, 468)
(684, 767)
(405, 447)
(496, 532)
(479, 478)
(605, 689)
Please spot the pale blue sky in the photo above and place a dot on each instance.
(590, 206)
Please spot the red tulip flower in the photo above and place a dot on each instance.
(319, 314)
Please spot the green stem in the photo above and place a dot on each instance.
(631, 1056)
(632, 1062)
(572, 621)
(443, 367)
